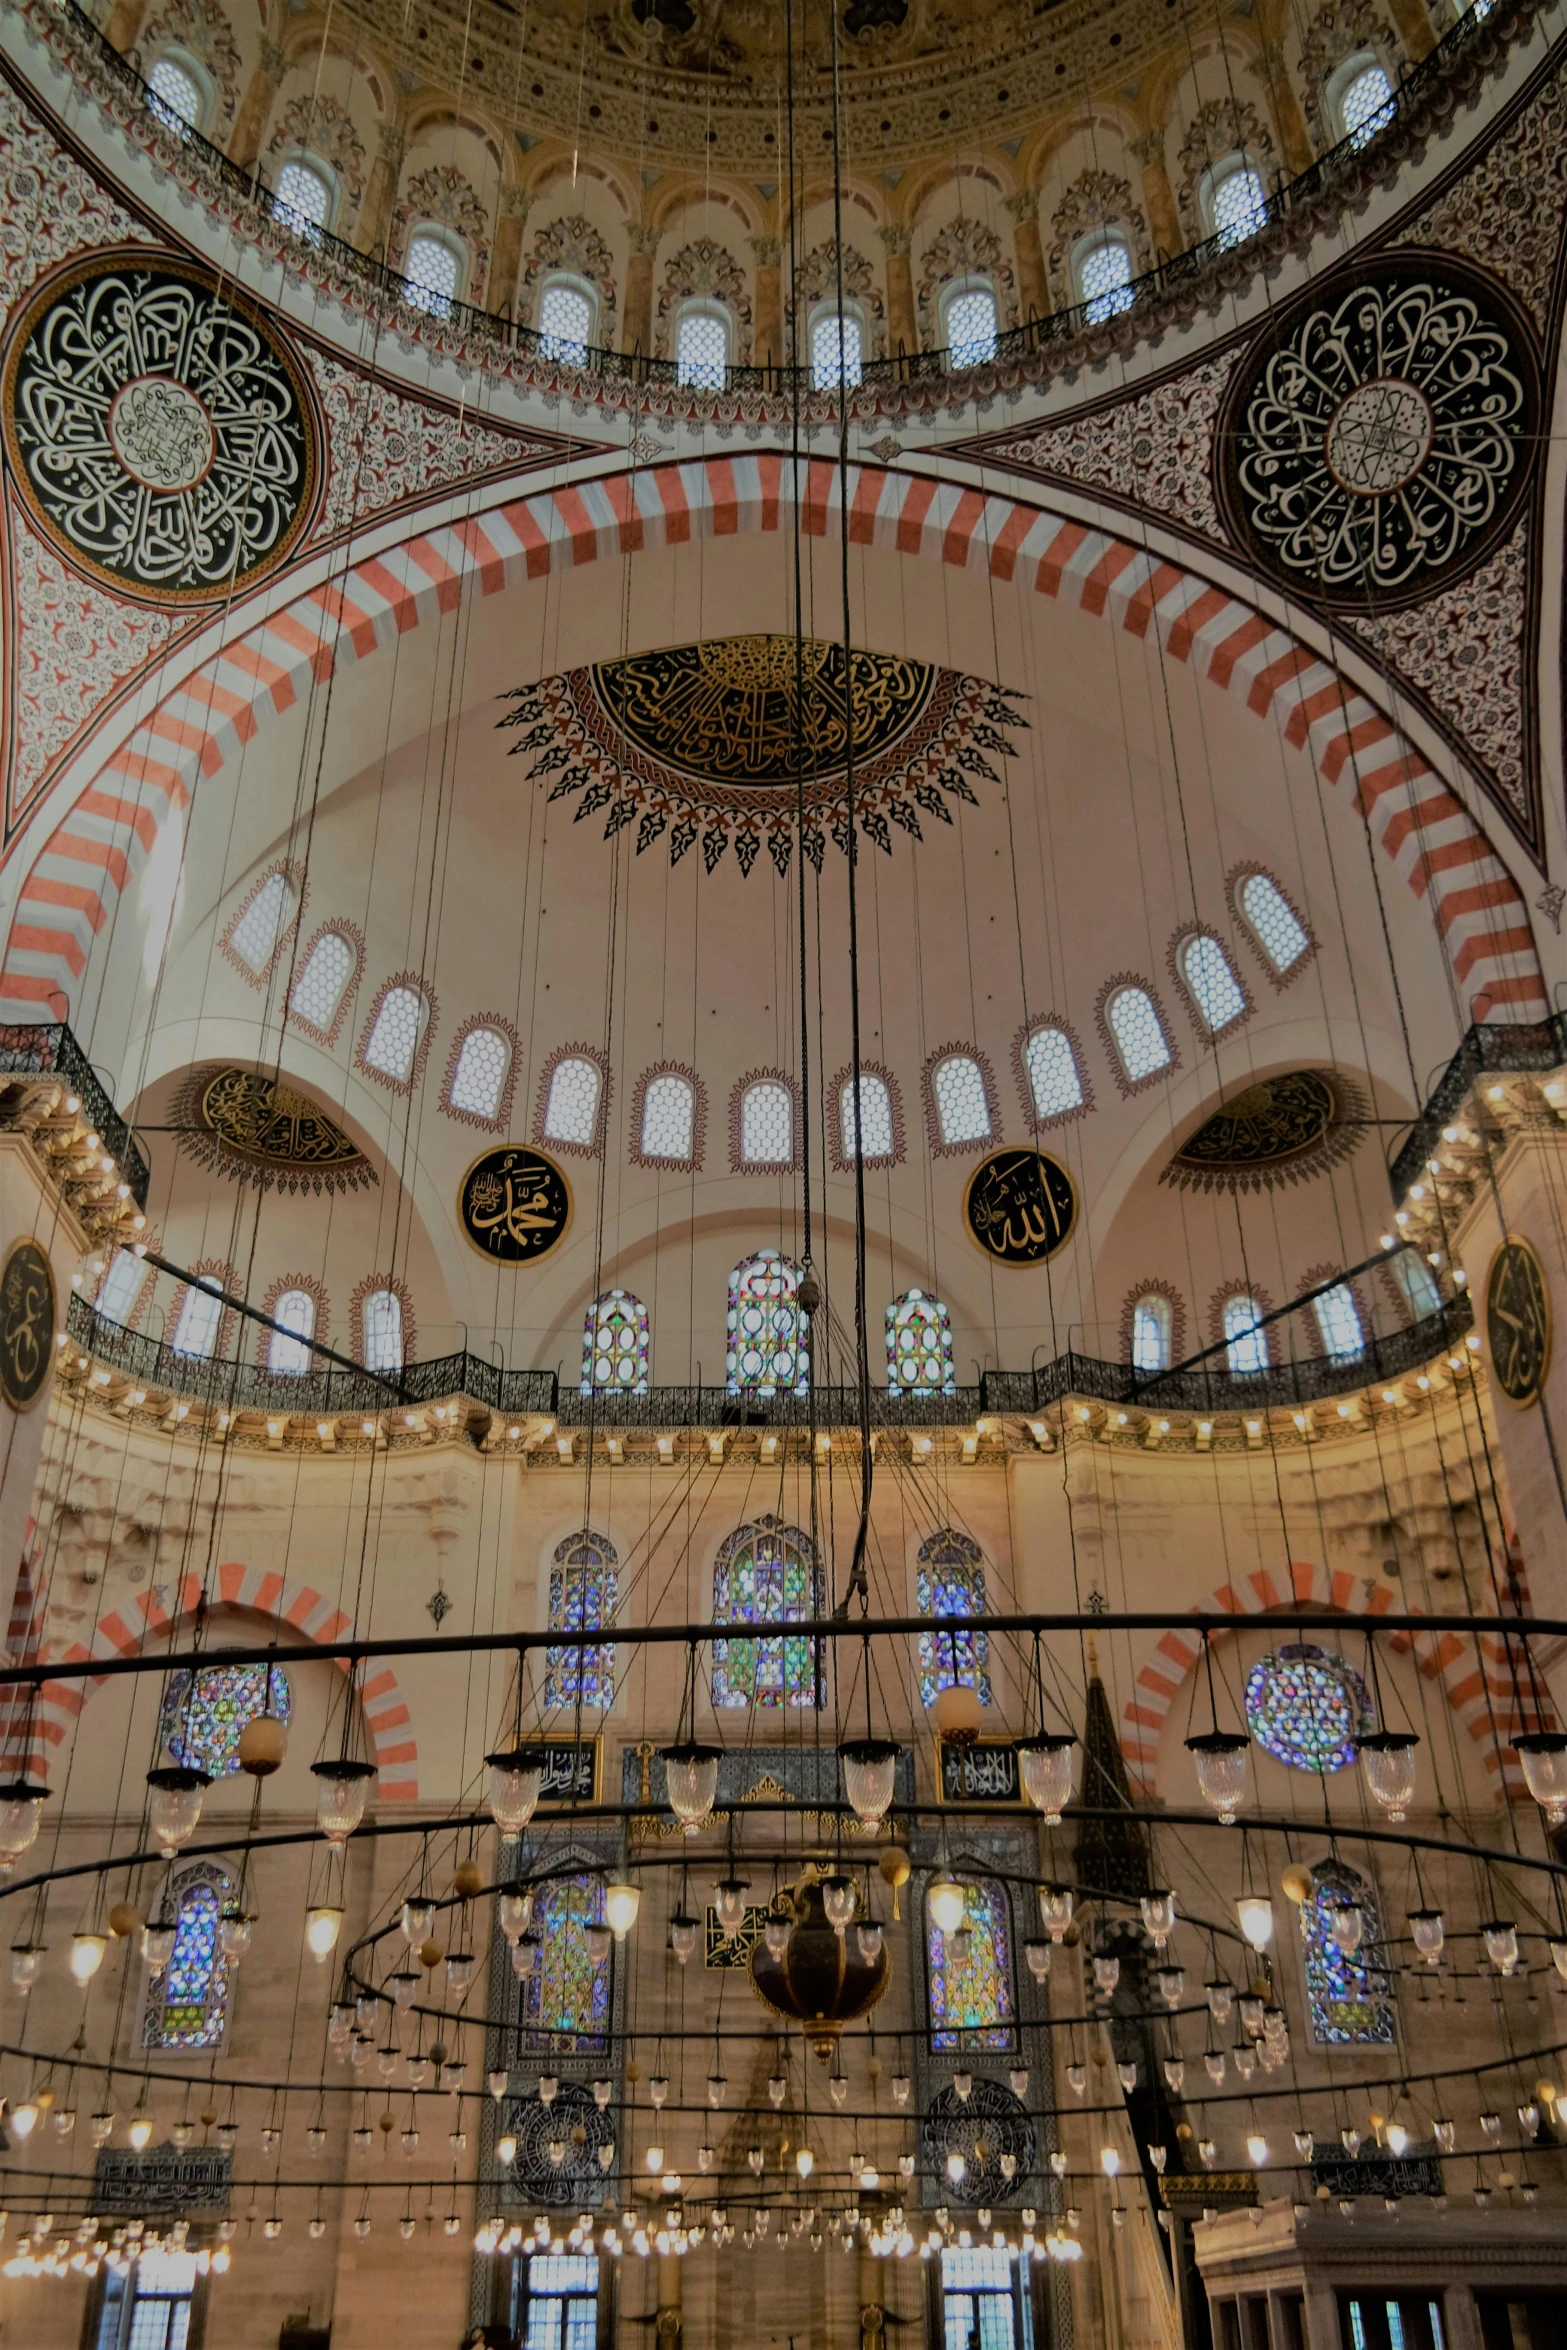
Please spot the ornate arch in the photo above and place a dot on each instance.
(1435, 844)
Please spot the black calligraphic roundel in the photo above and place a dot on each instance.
(27, 1324)
(1020, 1207)
(1518, 1322)
(514, 1205)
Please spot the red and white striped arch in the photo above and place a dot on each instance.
(1488, 1700)
(126, 1631)
(1435, 845)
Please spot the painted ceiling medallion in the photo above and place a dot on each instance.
(705, 741)
(263, 1131)
(159, 431)
(1377, 440)
(1283, 1129)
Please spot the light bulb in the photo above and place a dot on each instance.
(956, 2167)
(869, 1771)
(1045, 1767)
(1397, 2138)
(1110, 2161)
(1254, 1911)
(506, 2149)
(804, 2162)
(24, 2118)
(1220, 1759)
(140, 2132)
(342, 1790)
(516, 1777)
(691, 1776)
(1257, 2150)
(322, 1924)
(621, 1903)
(947, 1902)
(87, 1955)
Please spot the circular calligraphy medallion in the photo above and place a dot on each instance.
(1518, 1322)
(27, 1325)
(1377, 439)
(514, 1205)
(158, 428)
(1020, 1207)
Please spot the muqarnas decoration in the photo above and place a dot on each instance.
(735, 738)
(261, 1130)
(1279, 1130)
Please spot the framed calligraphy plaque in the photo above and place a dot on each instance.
(514, 1205)
(1518, 1322)
(982, 1772)
(27, 1325)
(573, 1769)
(1020, 1207)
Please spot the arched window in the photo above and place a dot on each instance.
(1273, 922)
(1338, 1321)
(614, 1345)
(865, 1119)
(121, 1286)
(1235, 200)
(919, 1346)
(204, 1712)
(1213, 986)
(1104, 277)
(200, 1316)
(177, 94)
(765, 1573)
(382, 1321)
(970, 1985)
(584, 1589)
(767, 1350)
(565, 321)
(1346, 1993)
(1362, 98)
(1053, 1078)
(669, 1118)
(1152, 1327)
(1245, 1340)
(1139, 1037)
(263, 920)
(767, 1124)
(318, 991)
(702, 348)
(837, 350)
(187, 2007)
(962, 1105)
(949, 1582)
(571, 1107)
(1307, 1708)
(969, 319)
(1416, 1282)
(434, 270)
(396, 1032)
(565, 2000)
(302, 199)
(478, 1082)
(289, 1358)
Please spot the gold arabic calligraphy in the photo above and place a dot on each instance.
(1518, 1322)
(1020, 1206)
(27, 1318)
(514, 1204)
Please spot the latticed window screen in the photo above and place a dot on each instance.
(571, 1109)
(479, 1078)
(557, 2302)
(261, 925)
(615, 1345)
(765, 1573)
(949, 1585)
(289, 1358)
(1338, 1320)
(1052, 1072)
(1139, 1038)
(766, 1330)
(302, 196)
(1273, 922)
(919, 1346)
(767, 1124)
(121, 1286)
(1151, 1321)
(148, 2306)
(176, 92)
(865, 1116)
(702, 351)
(584, 1587)
(979, 2298)
(962, 1111)
(1240, 205)
(971, 327)
(319, 988)
(382, 1317)
(565, 323)
(1215, 989)
(431, 272)
(394, 1037)
(1245, 1343)
(1366, 105)
(1104, 279)
(200, 1315)
(668, 1118)
(837, 351)
(972, 2000)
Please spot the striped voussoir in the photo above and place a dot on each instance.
(126, 1631)
(1436, 846)
(1483, 1680)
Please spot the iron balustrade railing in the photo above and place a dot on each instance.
(1305, 197)
(48, 1049)
(1485, 1052)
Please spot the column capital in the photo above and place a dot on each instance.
(1023, 204)
(643, 236)
(1149, 148)
(390, 144)
(766, 252)
(1268, 63)
(516, 204)
(897, 236)
(272, 60)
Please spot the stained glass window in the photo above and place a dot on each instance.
(1138, 1036)
(971, 328)
(1052, 1072)
(766, 1329)
(949, 1580)
(188, 2005)
(319, 988)
(256, 933)
(479, 1078)
(767, 1124)
(571, 1110)
(668, 1118)
(1151, 1323)
(565, 2001)
(614, 1345)
(1273, 922)
(919, 1346)
(970, 1986)
(1246, 1342)
(395, 1032)
(765, 1573)
(1345, 1994)
(1338, 1319)
(200, 1315)
(584, 1588)
(865, 1113)
(1215, 989)
(289, 1357)
(1104, 278)
(204, 1713)
(962, 1111)
(1306, 1708)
